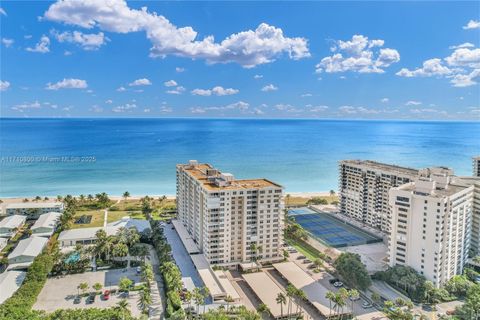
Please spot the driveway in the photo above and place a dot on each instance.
(59, 292)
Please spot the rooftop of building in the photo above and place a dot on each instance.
(381, 166)
(199, 172)
(47, 220)
(34, 205)
(454, 186)
(13, 221)
(31, 247)
(476, 158)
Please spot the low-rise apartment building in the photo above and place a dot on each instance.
(431, 224)
(232, 221)
(33, 209)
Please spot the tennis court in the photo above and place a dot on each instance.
(329, 230)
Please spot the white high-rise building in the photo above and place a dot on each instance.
(476, 166)
(364, 186)
(225, 216)
(432, 224)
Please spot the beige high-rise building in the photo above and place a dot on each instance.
(225, 216)
(363, 190)
(476, 166)
(432, 224)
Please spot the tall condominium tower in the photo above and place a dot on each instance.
(364, 187)
(431, 224)
(476, 166)
(226, 216)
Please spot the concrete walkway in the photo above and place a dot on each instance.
(157, 289)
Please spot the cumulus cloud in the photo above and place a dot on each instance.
(258, 76)
(358, 55)
(463, 45)
(121, 89)
(7, 42)
(4, 85)
(269, 87)
(43, 46)
(170, 83)
(67, 84)
(217, 91)
(462, 67)
(247, 48)
(413, 103)
(384, 100)
(305, 95)
(357, 110)
(25, 106)
(128, 107)
(92, 41)
(96, 109)
(472, 24)
(177, 90)
(109, 101)
(140, 82)
(178, 69)
(239, 106)
(318, 108)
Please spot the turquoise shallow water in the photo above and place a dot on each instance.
(60, 156)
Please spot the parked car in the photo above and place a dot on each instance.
(307, 261)
(301, 257)
(366, 305)
(338, 284)
(354, 298)
(77, 300)
(106, 295)
(91, 298)
(139, 270)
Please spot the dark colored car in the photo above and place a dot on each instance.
(77, 300)
(91, 298)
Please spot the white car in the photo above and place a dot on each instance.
(338, 284)
(366, 305)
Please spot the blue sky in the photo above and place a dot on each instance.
(355, 60)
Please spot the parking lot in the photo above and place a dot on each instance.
(60, 292)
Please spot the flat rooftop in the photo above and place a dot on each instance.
(381, 166)
(199, 172)
(454, 187)
(34, 205)
(266, 290)
(186, 238)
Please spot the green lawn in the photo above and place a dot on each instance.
(306, 249)
(117, 215)
(97, 219)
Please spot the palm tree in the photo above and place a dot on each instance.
(126, 194)
(340, 300)
(332, 193)
(125, 284)
(90, 197)
(197, 297)
(83, 286)
(228, 300)
(97, 286)
(122, 305)
(300, 294)
(262, 308)
(290, 294)
(281, 300)
(331, 298)
(353, 294)
(82, 198)
(144, 299)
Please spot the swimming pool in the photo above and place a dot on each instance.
(330, 230)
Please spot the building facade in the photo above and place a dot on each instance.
(33, 209)
(476, 166)
(431, 224)
(364, 187)
(232, 221)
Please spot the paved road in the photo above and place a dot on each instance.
(158, 292)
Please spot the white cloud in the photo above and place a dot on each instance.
(357, 110)
(170, 83)
(472, 24)
(177, 90)
(247, 48)
(258, 76)
(128, 107)
(461, 67)
(178, 69)
(318, 108)
(67, 84)
(465, 80)
(140, 82)
(96, 109)
(413, 103)
(218, 91)
(306, 95)
(67, 53)
(26, 106)
(7, 42)
(43, 46)
(4, 85)
(463, 45)
(2, 12)
(384, 100)
(147, 110)
(92, 41)
(121, 89)
(165, 109)
(109, 101)
(287, 108)
(269, 87)
(358, 55)
(239, 106)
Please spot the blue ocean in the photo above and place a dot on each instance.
(80, 156)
